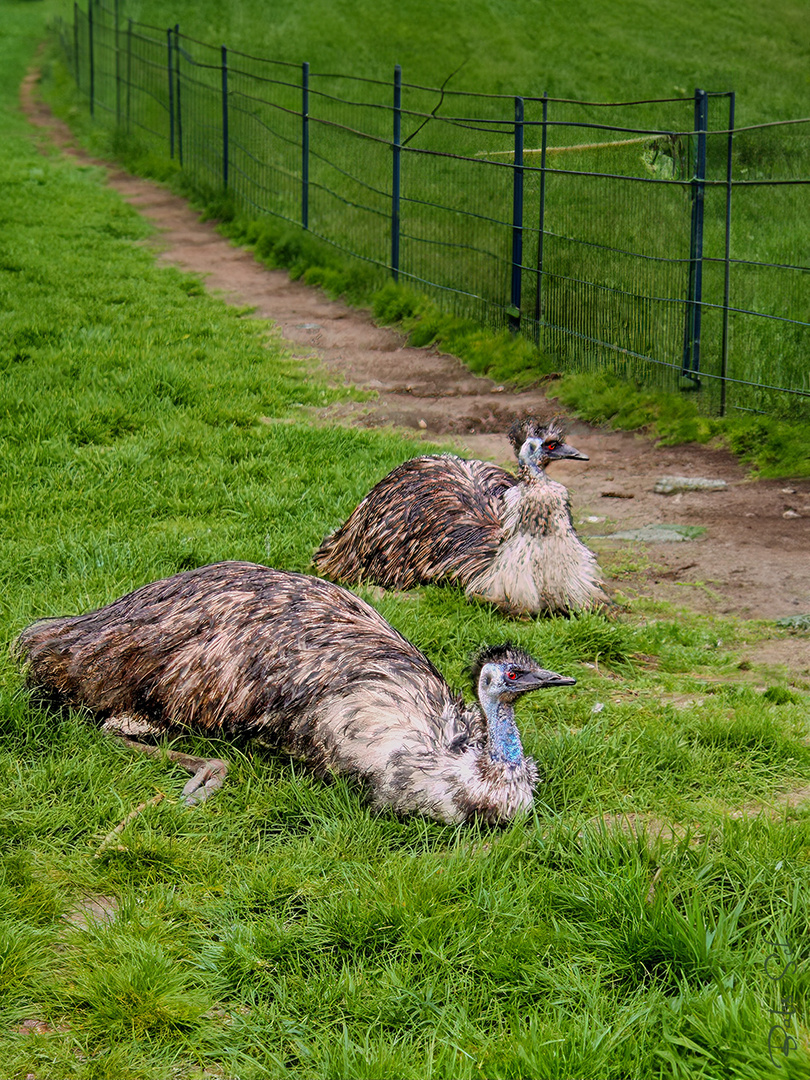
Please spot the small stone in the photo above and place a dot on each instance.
(659, 534)
(92, 910)
(423, 424)
(788, 491)
(791, 513)
(668, 485)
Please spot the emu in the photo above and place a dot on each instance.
(505, 539)
(304, 666)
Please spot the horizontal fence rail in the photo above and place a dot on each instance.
(648, 238)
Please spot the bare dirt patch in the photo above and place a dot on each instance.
(752, 561)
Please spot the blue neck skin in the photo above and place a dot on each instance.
(532, 467)
(504, 741)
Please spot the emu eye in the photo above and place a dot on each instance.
(511, 675)
(551, 445)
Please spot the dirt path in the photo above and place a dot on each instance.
(753, 559)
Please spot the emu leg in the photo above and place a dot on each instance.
(208, 774)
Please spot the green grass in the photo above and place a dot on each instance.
(590, 289)
(283, 929)
(762, 350)
(595, 51)
(770, 446)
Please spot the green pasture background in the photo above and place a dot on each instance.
(627, 303)
(591, 50)
(283, 930)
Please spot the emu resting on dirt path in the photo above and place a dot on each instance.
(240, 651)
(505, 539)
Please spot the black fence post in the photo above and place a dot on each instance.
(397, 164)
(691, 342)
(76, 46)
(170, 68)
(517, 220)
(225, 150)
(91, 58)
(727, 277)
(305, 145)
(541, 229)
(129, 71)
(117, 66)
(178, 110)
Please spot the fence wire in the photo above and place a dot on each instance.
(648, 238)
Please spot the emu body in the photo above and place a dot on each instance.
(241, 651)
(505, 539)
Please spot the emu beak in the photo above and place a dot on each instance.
(565, 450)
(535, 680)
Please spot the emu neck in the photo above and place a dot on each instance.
(504, 741)
(532, 471)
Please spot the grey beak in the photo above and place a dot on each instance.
(565, 450)
(535, 680)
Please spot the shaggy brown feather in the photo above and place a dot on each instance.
(242, 651)
(506, 539)
(433, 518)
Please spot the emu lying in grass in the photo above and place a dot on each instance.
(237, 650)
(509, 540)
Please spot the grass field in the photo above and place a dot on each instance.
(597, 290)
(592, 50)
(284, 930)
(767, 227)
(615, 251)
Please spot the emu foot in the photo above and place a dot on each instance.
(206, 780)
(208, 773)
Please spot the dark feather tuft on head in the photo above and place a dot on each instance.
(500, 654)
(528, 427)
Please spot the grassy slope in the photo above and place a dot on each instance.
(282, 930)
(589, 49)
(603, 52)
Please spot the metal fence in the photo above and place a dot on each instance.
(602, 232)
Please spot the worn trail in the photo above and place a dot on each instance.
(753, 560)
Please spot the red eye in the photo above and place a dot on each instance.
(551, 446)
(511, 675)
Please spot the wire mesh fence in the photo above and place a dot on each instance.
(649, 238)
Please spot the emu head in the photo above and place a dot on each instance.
(503, 673)
(536, 443)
